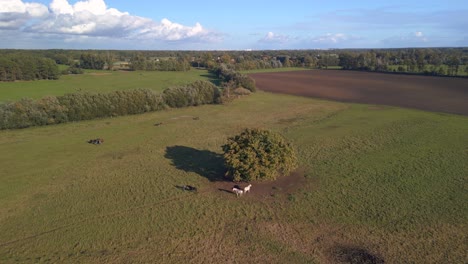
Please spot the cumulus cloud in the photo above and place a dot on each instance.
(14, 14)
(93, 18)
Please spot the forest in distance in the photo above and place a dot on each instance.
(50, 64)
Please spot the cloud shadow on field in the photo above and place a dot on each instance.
(203, 162)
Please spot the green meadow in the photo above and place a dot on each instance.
(99, 82)
(375, 183)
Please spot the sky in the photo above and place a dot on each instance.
(231, 25)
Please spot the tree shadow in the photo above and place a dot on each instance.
(203, 162)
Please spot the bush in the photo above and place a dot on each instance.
(72, 70)
(242, 91)
(197, 93)
(257, 154)
(247, 82)
(237, 79)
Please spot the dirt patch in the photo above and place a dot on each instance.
(439, 94)
(353, 255)
(284, 185)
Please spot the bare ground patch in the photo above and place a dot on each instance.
(260, 190)
(439, 94)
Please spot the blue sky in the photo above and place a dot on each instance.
(228, 25)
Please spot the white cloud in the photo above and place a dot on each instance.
(61, 7)
(420, 36)
(14, 14)
(330, 38)
(171, 31)
(271, 37)
(92, 18)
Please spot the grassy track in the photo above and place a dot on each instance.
(98, 81)
(385, 181)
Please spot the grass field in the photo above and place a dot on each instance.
(381, 183)
(98, 81)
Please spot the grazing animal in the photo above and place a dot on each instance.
(247, 189)
(96, 141)
(189, 188)
(238, 192)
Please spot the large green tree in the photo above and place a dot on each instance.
(258, 154)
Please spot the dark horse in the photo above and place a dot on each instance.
(96, 141)
(187, 188)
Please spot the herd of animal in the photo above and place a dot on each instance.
(240, 192)
(236, 189)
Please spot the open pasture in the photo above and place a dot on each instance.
(440, 94)
(98, 82)
(376, 184)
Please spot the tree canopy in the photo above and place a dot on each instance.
(258, 154)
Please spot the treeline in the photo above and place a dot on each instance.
(434, 61)
(141, 62)
(76, 107)
(15, 67)
(451, 62)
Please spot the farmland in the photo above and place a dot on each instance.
(376, 182)
(420, 92)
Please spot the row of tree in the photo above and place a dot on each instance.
(427, 61)
(437, 61)
(85, 106)
(15, 67)
(140, 62)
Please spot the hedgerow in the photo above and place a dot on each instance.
(85, 106)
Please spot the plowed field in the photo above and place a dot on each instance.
(439, 94)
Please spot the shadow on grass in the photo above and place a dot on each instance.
(346, 254)
(212, 78)
(203, 162)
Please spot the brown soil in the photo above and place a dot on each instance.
(259, 190)
(439, 94)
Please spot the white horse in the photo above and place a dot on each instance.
(247, 189)
(238, 192)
